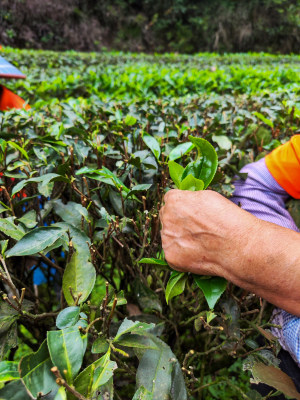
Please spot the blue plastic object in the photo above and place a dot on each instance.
(7, 70)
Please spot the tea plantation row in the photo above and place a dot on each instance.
(83, 174)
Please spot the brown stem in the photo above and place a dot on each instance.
(72, 294)
(5, 298)
(9, 200)
(40, 316)
(122, 201)
(111, 313)
(8, 278)
(61, 382)
(78, 298)
(92, 323)
(84, 196)
(104, 303)
(51, 263)
(22, 295)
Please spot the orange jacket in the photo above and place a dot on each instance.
(284, 165)
(9, 100)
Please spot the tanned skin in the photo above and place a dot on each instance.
(206, 234)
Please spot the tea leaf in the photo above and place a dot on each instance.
(212, 288)
(176, 285)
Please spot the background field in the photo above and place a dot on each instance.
(92, 111)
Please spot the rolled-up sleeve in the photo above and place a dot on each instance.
(262, 196)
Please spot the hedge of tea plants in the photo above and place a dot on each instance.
(83, 175)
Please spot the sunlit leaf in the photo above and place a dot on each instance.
(80, 277)
(66, 351)
(176, 285)
(35, 241)
(153, 145)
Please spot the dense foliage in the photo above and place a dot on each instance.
(185, 26)
(83, 174)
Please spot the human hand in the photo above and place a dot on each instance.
(204, 233)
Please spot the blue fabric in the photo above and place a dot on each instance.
(291, 334)
(41, 274)
(263, 197)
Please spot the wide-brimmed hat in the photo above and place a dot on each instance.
(7, 70)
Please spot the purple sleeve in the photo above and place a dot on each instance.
(263, 197)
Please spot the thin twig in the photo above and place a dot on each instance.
(5, 298)
(40, 316)
(61, 382)
(9, 281)
(51, 263)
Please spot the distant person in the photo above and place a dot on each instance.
(8, 99)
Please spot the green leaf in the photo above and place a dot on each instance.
(222, 141)
(130, 120)
(153, 145)
(154, 261)
(29, 219)
(66, 351)
(154, 372)
(135, 341)
(176, 285)
(158, 371)
(103, 175)
(2, 209)
(80, 276)
(61, 394)
(35, 371)
(142, 394)
(139, 188)
(79, 239)
(176, 171)
(71, 212)
(129, 326)
(120, 300)
(191, 183)
(180, 150)
(35, 241)
(3, 246)
(8, 328)
(263, 136)
(14, 391)
(208, 160)
(8, 227)
(94, 376)
(9, 371)
(146, 297)
(68, 317)
(212, 288)
(178, 389)
(264, 119)
(100, 345)
(210, 316)
(19, 148)
(8, 336)
(44, 180)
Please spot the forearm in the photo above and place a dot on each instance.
(269, 265)
(262, 195)
(264, 198)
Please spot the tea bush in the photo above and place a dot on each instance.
(83, 174)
